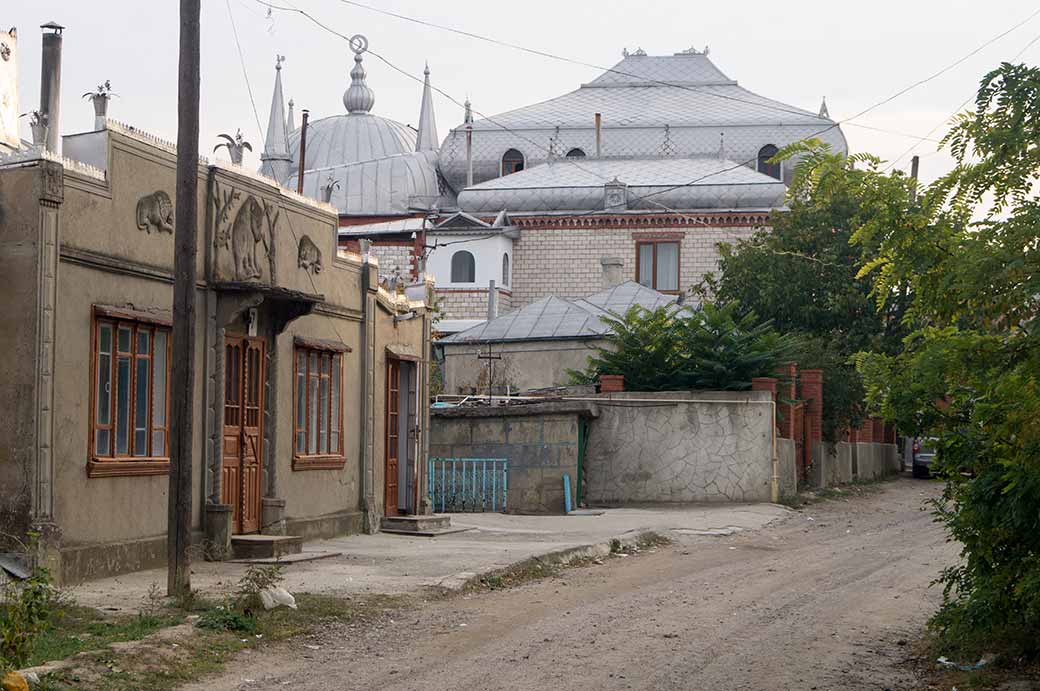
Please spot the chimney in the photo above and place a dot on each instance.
(50, 83)
(599, 129)
(492, 301)
(611, 271)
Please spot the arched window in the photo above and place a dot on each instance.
(463, 267)
(505, 269)
(512, 162)
(576, 153)
(773, 170)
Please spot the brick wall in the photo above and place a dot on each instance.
(470, 303)
(565, 262)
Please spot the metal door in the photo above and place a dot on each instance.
(393, 435)
(243, 431)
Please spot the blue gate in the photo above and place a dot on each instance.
(468, 484)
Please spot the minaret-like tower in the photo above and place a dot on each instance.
(276, 163)
(290, 125)
(427, 139)
(823, 109)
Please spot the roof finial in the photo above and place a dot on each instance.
(624, 52)
(823, 109)
(359, 97)
(275, 157)
(290, 125)
(426, 138)
(722, 146)
(469, 111)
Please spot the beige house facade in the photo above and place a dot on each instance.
(309, 377)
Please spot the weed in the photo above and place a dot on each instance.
(255, 580)
(28, 610)
(615, 546)
(227, 618)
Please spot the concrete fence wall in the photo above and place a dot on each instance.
(786, 451)
(681, 449)
(540, 441)
(836, 464)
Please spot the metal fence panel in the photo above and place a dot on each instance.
(468, 484)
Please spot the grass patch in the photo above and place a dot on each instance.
(1003, 667)
(856, 488)
(538, 568)
(77, 629)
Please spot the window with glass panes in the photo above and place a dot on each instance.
(130, 394)
(657, 265)
(318, 406)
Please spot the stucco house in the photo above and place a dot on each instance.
(534, 348)
(310, 378)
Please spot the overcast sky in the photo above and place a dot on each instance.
(796, 52)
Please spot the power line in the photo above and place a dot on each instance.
(948, 117)
(561, 58)
(245, 74)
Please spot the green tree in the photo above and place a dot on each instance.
(803, 274)
(969, 374)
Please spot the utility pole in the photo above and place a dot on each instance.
(182, 376)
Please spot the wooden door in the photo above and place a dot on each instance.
(393, 431)
(243, 431)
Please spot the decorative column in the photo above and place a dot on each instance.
(50, 189)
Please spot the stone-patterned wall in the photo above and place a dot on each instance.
(719, 451)
(470, 303)
(565, 262)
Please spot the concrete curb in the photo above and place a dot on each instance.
(562, 557)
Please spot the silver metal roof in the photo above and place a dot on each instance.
(637, 99)
(555, 318)
(386, 185)
(652, 184)
(351, 138)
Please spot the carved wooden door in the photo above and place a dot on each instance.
(241, 471)
(393, 399)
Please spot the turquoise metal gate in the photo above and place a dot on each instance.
(468, 484)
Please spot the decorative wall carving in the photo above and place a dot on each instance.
(309, 255)
(155, 211)
(249, 236)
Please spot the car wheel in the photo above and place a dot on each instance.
(919, 471)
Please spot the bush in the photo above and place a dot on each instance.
(681, 349)
(25, 613)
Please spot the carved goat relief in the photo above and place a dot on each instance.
(309, 255)
(248, 232)
(155, 210)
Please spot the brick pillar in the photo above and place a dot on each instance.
(879, 430)
(812, 392)
(611, 383)
(851, 435)
(890, 434)
(865, 435)
(788, 390)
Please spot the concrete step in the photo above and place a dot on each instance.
(265, 546)
(415, 524)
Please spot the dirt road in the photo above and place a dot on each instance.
(828, 598)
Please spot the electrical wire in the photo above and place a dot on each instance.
(245, 74)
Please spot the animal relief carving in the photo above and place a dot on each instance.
(247, 232)
(309, 255)
(155, 210)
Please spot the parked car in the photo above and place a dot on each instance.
(922, 455)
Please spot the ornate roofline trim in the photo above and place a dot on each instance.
(723, 219)
(28, 156)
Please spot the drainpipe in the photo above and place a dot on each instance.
(50, 83)
(368, 364)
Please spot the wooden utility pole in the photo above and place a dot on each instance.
(182, 379)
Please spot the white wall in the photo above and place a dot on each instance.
(486, 251)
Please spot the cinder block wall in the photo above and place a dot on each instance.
(540, 442)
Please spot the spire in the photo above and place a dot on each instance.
(722, 146)
(468, 117)
(427, 137)
(276, 161)
(823, 109)
(358, 98)
(290, 126)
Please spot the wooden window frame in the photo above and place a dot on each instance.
(113, 465)
(333, 460)
(678, 263)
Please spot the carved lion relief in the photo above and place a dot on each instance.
(155, 210)
(309, 255)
